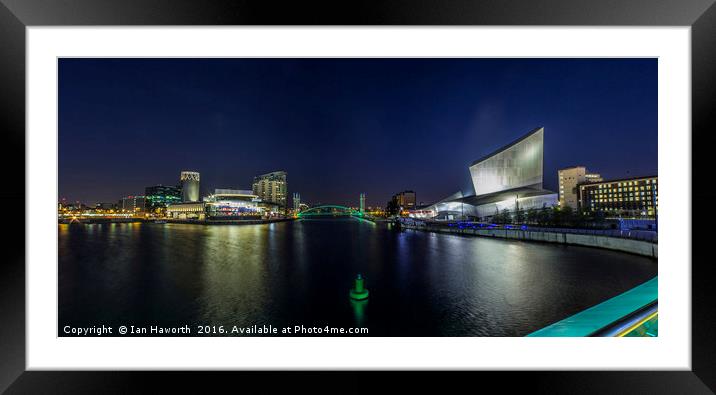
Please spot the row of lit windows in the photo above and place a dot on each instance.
(617, 210)
(630, 196)
(651, 182)
(625, 189)
(618, 204)
(626, 201)
(631, 193)
(625, 198)
(633, 199)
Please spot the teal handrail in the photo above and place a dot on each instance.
(596, 318)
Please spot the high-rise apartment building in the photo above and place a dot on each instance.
(569, 179)
(271, 187)
(296, 202)
(132, 204)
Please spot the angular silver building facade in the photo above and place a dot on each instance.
(507, 179)
(519, 165)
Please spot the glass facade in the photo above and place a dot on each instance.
(160, 196)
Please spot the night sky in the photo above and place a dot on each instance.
(344, 126)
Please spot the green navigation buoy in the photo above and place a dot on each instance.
(358, 292)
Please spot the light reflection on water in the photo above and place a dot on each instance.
(285, 274)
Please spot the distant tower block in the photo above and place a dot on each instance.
(189, 186)
(296, 201)
(362, 203)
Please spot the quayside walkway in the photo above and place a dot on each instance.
(634, 243)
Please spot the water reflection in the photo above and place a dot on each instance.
(299, 273)
(234, 275)
(359, 307)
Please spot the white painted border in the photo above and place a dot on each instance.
(671, 350)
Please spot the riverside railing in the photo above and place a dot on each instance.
(634, 312)
(634, 234)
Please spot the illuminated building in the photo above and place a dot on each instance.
(160, 196)
(362, 203)
(105, 206)
(187, 210)
(232, 203)
(271, 187)
(569, 179)
(296, 202)
(509, 178)
(189, 186)
(405, 200)
(632, 197)
(133, 204)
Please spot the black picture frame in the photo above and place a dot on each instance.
(16, 15)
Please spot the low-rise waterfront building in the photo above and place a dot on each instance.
(631, 197)
(104, 206)
(187, 210)
(232, 203)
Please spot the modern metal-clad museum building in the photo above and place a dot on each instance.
(507, 179)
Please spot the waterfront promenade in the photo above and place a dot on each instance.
(634, 242)
(108, 220)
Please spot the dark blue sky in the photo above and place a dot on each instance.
(344, 126)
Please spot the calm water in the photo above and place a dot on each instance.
(299, 273)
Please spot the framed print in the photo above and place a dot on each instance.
(402, 187)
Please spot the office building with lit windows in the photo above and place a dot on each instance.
(404, 200)
(509, 178)
(271, 188)
(160, 196)
(132, 204)
(569, 180)
(632, 197)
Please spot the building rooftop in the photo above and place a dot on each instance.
(512, 144)
(617, 180)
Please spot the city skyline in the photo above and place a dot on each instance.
(341, 127)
